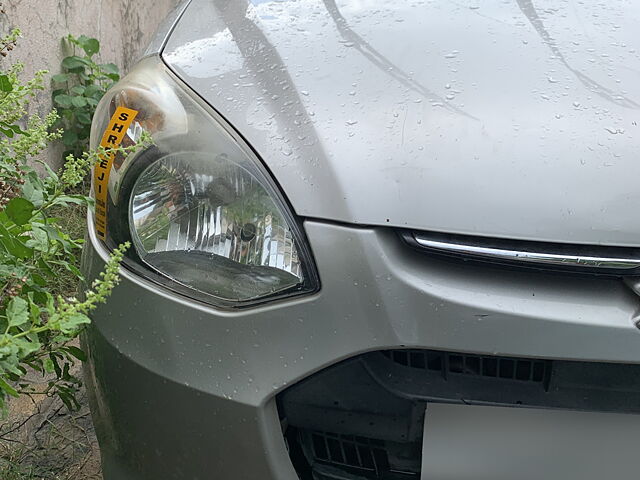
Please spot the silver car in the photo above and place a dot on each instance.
(356, 215)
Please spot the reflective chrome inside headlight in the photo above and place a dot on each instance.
(201, 211)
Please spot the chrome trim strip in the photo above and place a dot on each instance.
(529, 257)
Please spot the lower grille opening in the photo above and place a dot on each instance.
(363, 418)
(335, 456)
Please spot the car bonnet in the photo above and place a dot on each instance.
(515, 119)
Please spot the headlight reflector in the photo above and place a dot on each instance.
(210, 225)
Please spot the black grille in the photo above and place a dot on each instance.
(522, 369)
(335, 456)
(348, 450)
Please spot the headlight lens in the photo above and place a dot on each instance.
(202, 213)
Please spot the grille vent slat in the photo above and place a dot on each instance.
(505, 368)
(348, 450)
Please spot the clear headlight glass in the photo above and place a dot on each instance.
(204, 217)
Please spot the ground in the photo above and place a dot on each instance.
(41, 439)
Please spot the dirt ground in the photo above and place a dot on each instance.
(41, 439)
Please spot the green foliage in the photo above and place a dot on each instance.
(36, 323)
(79, 89)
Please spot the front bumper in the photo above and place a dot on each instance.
(182, 390)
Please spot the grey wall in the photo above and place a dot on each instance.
(123, 27)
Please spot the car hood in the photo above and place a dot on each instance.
(514, 119)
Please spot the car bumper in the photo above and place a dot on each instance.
(182, 390)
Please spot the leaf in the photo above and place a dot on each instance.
(39, 240)
(10, 130)
(60, 78)
(78, 90)
(69, 137)
(54, 356)
(8, 388)
(93, 90)
(76, 199)
(19, 210)
(74, 62)
(44, 266)
(78, 101)
(53, 175)
(73, 269)
(55, 235)
(83, 117)
(13, 244)
(38, 280)
(34, 309)
(7, 131)
(91, 46)
(5, 84)
(76, 352)
(65, 372)
(68, 399)
(18, 130)
(17, 312)
(50, 304)
(63, 100)
(81, 39)
(70, 323)
(32, 190)
(26, 346)
(48, 365)
(109, 68)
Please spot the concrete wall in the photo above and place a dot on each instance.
(123, 28)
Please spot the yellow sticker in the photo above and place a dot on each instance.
(113, 135)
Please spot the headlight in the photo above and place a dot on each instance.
(201, 211)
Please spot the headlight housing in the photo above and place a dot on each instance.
(203, 214)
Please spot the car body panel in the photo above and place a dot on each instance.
(213, 375)
(514, 119)
(152, 428)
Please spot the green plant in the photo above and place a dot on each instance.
(36, 323)
(12, 466)
(79, 89)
